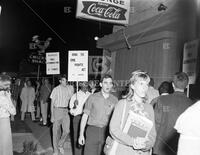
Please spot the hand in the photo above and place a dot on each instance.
(52, 119)
(81, 140)
(148, 145)
(139, 143)
(71, 112)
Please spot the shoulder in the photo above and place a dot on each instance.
(113, 98)
(95, 95)
(121, 103)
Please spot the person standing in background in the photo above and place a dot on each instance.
(45, 92)
(97, 113)
(27, 97)
(167, 110)
(76, 109)
(165, 88)
(92, 86)
(37, 96)
(6, 109)
(60, 97)
(15, 92)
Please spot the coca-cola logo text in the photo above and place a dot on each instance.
(102, 10)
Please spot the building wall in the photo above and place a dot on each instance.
(180, 19)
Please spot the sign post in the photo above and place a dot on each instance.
(77, 67)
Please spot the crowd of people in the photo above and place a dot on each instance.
(142, 121)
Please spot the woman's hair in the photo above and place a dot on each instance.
(138, 74)
(5, 81)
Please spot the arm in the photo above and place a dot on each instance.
(152, 135)
(22, 94)
(52, 96)
(81, 139)
(84, 119)
(115, 129)
(71, 103)
(7, 105)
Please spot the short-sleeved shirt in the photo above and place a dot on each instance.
(61, 95)
(99, 109)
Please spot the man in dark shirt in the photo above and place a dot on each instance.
(167, 110)
(97, 112)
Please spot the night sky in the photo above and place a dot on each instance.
(21, 19)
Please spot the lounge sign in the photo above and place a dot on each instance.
(113, 11)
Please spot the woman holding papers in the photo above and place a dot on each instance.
(132, 123)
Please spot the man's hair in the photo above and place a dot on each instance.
(180, 80)
(62, 76)
(164, 87)
(151, 83)
(105, 76)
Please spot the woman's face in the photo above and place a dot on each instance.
(140, 87)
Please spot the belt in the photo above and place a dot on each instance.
(61, 107)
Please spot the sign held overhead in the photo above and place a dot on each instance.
(78, 66)
(52, 63)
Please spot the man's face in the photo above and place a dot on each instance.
(106, 85)
(63, 81)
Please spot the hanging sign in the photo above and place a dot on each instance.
(78, 66)
(190, 57)
(112, 11)
(52, 63)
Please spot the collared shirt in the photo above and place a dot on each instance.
(6, 105)
(99, 109)
(81, 97)
(45, 92)
(61, 95)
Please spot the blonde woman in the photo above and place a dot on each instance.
(6, 109)
(134, 103)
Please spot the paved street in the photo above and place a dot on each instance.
(29, 131)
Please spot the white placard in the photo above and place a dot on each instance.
(190, 55)
(78, 65)
(52, 63)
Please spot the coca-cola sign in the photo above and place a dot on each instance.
(115, 11)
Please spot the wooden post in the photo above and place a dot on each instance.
(38, 72)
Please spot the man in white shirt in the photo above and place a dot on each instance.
(76, 109)
(60, 97)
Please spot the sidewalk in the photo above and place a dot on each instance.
(37, 134)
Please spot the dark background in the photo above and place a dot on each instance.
(21, 19)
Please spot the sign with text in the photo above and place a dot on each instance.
(112, 11)
(190, 55)
(36, 58)
(78, 65)
(52, 63)
(99, 64)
